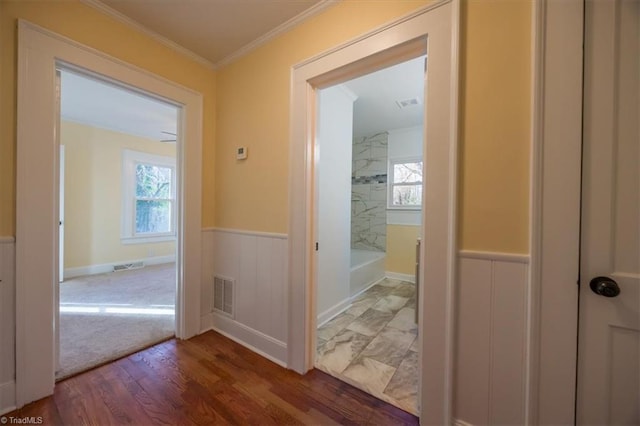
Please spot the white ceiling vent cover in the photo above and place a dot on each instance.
(406, 103)
(223, 295)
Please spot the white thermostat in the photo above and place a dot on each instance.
(241, 153)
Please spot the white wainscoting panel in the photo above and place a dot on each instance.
(491, 339)
(258, 264)
(206, 288)
(7, 325)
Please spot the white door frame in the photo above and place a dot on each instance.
(555, 210)
(438, 24)
(37, 182)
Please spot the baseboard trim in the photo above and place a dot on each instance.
(488, 255)
(7, 397)
(457, 422)
(250, 233)
(266, 346)
(334, 310)
(401, 277)
(108, 267)
(345, 304)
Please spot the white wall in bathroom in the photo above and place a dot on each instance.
(406, 142)
(334, 136)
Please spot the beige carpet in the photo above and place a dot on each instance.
(107, 316)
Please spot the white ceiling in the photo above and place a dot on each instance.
(376, 110)
(97, 103)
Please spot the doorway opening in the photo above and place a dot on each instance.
(40, 53)
(119, 182)
(433, 31)
(369, 143)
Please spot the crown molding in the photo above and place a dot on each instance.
(280, 29)
(103, 8)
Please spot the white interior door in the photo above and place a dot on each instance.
(609, 335)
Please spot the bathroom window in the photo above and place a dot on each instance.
(405, 183)
(149, 198)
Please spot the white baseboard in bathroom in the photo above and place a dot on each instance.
(7, 397)
(342, 306)
(401, 277)
(457, 422)
(266, 346)
(336, 309)
(108, 267)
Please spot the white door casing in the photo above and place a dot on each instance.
(61, 169)
(435, 27)
(609, 327)
(555, 211)
(37, 179)
(61, 181)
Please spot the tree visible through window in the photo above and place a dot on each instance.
(405, 183)
(148, 197)
(154, 201)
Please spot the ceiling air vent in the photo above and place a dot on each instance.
(405, 103)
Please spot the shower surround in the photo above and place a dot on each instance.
(369, 193)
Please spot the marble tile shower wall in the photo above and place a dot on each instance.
(369, 193)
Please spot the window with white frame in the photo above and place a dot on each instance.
(148, 197)
(404, 181)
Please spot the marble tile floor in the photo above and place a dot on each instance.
(373, 344)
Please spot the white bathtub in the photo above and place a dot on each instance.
(367, 267)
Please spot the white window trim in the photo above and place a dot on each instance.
(130, 159)
(390, 182)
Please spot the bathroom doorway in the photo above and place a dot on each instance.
(432, 30)
(369, 138)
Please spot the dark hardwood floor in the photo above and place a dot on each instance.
(206, 380)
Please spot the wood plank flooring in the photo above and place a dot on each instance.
(206, 380)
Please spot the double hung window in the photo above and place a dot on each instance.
(405, 183)
(149, 197)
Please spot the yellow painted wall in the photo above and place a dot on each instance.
(495, 125)
(252, 95)
(253, 98)
(93, 197)
(401, 248)
(84, 24)
(253, 110)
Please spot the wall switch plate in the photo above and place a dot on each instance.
(241, 153)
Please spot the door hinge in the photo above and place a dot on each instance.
(316, 246)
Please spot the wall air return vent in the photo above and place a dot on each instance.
(223, 295)
(128, 266)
